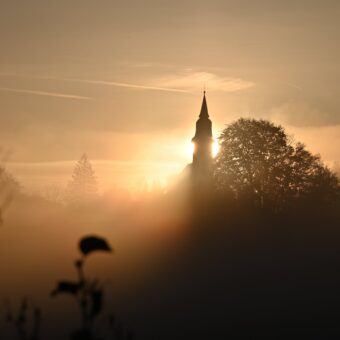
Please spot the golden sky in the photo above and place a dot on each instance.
(123, 80)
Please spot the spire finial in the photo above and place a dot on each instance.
(204, 108)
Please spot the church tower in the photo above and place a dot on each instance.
(203, 140)
(196, 178)
(203, 143)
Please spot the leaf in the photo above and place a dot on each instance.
(89, 244)
(67, 287)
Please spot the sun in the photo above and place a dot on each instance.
(215, 148)
(191, 148)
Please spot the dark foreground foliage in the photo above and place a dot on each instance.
(89, 294)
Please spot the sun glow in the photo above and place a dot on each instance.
(215, 148)
(191, 149)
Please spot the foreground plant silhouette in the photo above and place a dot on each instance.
(21, 323)
(88, 293)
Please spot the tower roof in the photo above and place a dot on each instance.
(204, 109)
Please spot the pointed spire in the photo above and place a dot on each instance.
(204, 109)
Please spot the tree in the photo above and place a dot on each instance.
(83, 186)
(260, 163)
(9, 188)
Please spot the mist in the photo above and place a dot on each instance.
(40, 235)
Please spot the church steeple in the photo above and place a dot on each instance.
(203, 139)
(204, 109)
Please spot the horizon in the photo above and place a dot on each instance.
(125, 87)
(140, 174)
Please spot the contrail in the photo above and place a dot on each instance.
(45, 93)
(97, 82)
(128, 85)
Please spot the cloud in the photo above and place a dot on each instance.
(301, 114)
(187, 81)
(193, 81)
(45, 93)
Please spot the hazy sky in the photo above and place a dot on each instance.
(123, 80)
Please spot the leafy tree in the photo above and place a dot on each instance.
(83, 186)
(260, 163)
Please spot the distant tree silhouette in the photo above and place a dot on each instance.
(258, 162)
(83, 186)
(9, 188)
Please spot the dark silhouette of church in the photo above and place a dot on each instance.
(201, 167)
(197, 176)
